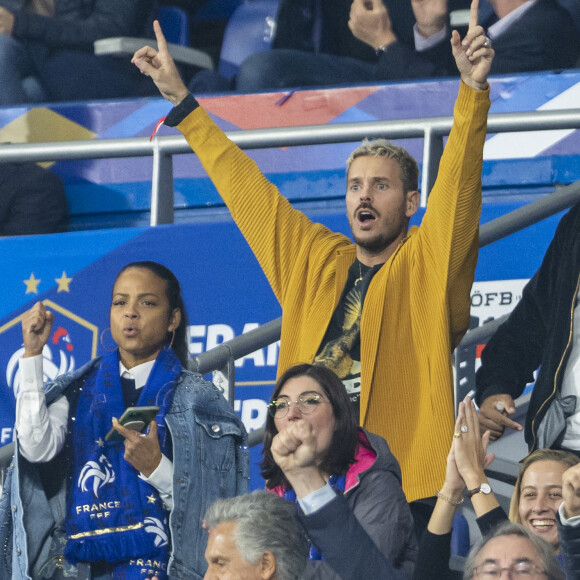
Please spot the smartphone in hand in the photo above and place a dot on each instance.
(136, 418)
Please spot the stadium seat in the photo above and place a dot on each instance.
(250, 29)
(175, 24)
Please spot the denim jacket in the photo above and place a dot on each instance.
(210, 460)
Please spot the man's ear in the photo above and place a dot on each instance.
(267, 566)
(412, 203)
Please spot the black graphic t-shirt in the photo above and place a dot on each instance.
(340, 348)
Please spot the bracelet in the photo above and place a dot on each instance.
(448, 499)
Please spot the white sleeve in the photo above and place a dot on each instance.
(422, 43)
(572, 521)
(162, 480)
(317, 499)
(41, 430)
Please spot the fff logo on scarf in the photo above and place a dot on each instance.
(72, 343)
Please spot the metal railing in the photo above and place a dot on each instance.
(162, 149)
(432, 130)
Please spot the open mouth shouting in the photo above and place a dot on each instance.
(365, 216)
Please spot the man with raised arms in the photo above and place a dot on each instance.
(387, 311)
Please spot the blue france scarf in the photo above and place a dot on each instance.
(112, 514)
(338, 484)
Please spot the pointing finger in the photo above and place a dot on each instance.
(473, 14)
(161, 42)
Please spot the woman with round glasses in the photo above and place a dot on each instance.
(79, 505)
(345, 480)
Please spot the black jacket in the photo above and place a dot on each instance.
(435, 549)
(538, 331)
(78, 23)
(544, 38)
(32, 200)
(569, 537)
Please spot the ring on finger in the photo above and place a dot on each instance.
(456, 435)
(487, 43)
(464, 428)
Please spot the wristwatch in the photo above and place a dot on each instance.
(483, 488)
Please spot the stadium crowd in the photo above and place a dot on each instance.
(133, 467)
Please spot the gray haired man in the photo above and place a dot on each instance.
(254, 537)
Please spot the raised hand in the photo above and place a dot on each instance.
(470, 447)
(473, 55)
(369, 22)
(294, 451)
(141, 451)
(571, 491)
(493, 415)
(36, 328)
(159, 65)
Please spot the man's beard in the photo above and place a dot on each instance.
(380, 242)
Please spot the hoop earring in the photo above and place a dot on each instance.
(168, 346)
(103, 344)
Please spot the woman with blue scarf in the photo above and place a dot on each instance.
(345, 480)
(82, 506)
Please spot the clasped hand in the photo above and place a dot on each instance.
(468, 457)
(295, 451)
(36, 328)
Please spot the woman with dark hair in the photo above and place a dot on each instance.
(90, 506)
(345, 480)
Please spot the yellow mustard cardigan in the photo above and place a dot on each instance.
(417, 306)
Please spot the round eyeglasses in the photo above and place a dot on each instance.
(306, 403)
(523, 570)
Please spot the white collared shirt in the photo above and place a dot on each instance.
(499, 27)
(571, 383)
(41, 430)
(139, 374)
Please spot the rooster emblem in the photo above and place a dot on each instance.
(100, 473)
(155, 526)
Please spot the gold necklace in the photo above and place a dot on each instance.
(360, 276)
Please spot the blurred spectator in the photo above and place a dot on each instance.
(254, 537)
(46, 49)
(32, 200)
(323, 42)
(527, 35)
(313, 46)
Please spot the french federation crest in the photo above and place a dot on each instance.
(155, 526)
(96, 474)
(72, 343)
